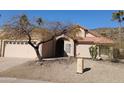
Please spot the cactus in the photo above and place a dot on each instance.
(93, 52)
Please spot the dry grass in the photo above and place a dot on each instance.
(65, 71)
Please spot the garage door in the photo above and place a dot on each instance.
(83, 51)
(19, 49)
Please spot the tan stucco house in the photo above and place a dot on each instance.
(61, 46)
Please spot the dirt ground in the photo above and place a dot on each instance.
(6, 62)
(64, 71)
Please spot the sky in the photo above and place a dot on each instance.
(90, 19)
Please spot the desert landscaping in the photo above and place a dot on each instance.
(32, 49)
(64, 71)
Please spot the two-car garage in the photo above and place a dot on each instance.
(19, 49)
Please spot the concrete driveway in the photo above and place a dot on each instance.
(6, 63)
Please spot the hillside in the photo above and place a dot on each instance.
(109, 32)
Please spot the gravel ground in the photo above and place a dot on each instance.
(15, 80)
(6, 63)
(64, 71)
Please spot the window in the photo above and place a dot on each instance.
(68, 48)
(18, 42)
(14, 42)
(22, 42)
(10, 42)
(26, 42)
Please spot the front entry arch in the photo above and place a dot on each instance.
(59, 48)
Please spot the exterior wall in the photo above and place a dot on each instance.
(48, 49)
(2, 48)
(82, 33)
(22, 51)
(25, 51)
(82, 50)
(61, 36)
(66, 42)
(17, 49)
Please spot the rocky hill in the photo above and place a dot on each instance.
(110, 32)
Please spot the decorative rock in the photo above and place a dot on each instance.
(39, 63)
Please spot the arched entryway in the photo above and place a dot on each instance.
(59, 48)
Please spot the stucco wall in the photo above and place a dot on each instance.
(83, 50)
(19, 50)
(48, 49)
(71, 53)
(81, 33)
(67, 40)
(25, 50)
(2, 48)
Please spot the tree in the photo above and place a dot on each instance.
(73, 31)
(21, 26)
(119, 17)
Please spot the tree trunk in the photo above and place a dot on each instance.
(36, 48)
(38, 54)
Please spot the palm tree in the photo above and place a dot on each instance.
(39, 21)
(24, 20)
(119, 17)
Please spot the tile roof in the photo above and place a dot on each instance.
(95, 40)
